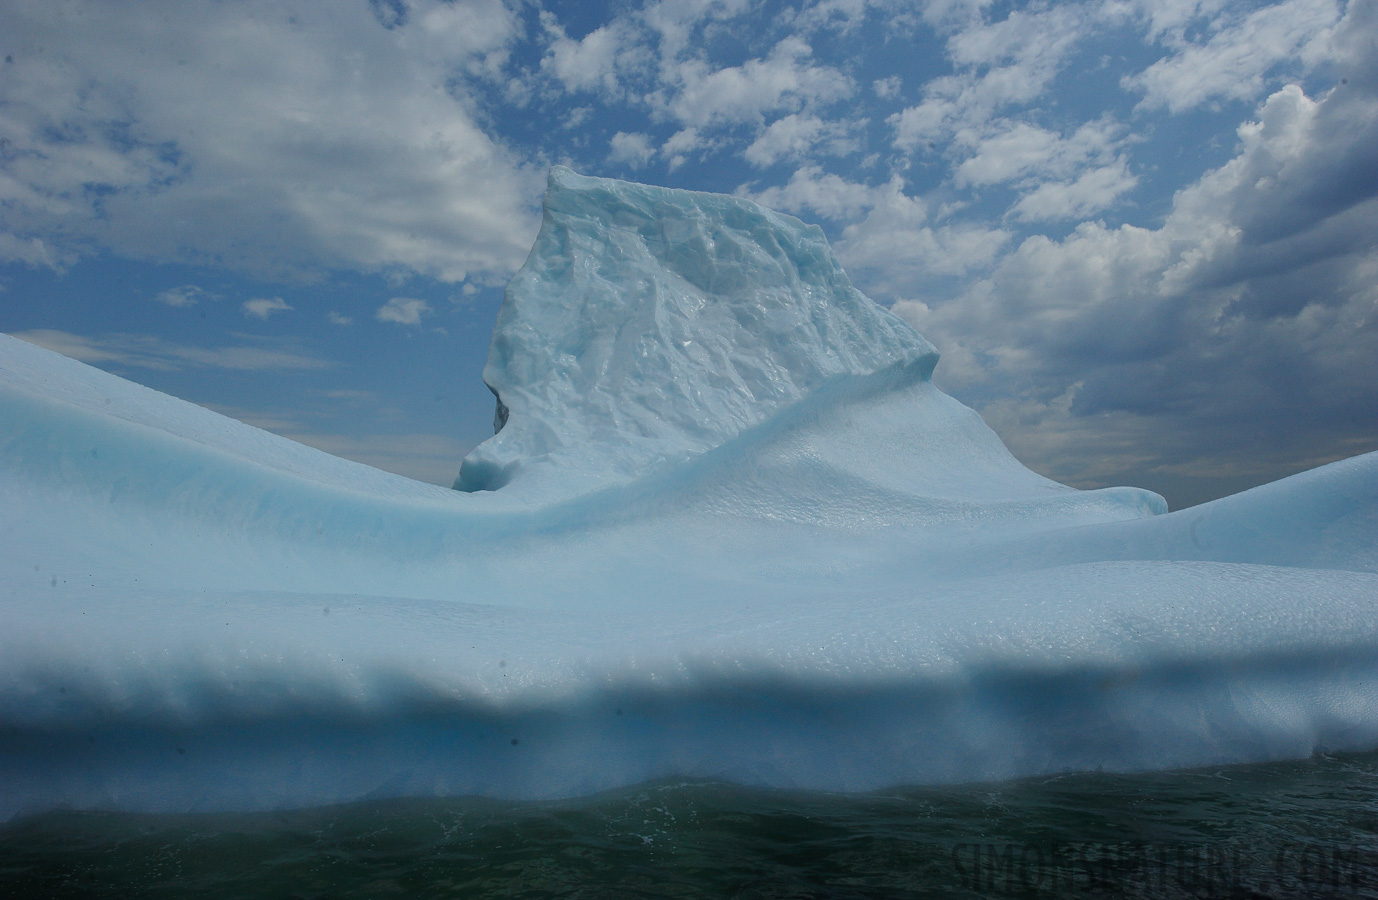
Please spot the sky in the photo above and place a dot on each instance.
(1142, 233)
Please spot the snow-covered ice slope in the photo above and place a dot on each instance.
(727, 529)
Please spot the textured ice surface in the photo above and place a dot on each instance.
(846, 583)
(649, 325)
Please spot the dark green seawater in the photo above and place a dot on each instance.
(1297, 829)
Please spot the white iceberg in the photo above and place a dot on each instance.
(727, 529)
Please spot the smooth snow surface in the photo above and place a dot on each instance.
(728, 529)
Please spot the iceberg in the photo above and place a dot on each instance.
(726, 528)
(649, 326)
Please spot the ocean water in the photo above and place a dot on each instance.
(1295, 829)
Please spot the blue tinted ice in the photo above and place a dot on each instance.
(728, 529)
(649, 325)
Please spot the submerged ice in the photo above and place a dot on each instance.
(727, 528)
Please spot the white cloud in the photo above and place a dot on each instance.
(1008, 155)
(1168, 20)
(888, 87)
(263, 307)
(1000, 64)
(473, 33)
(1006, 65)
(888, 238)
(894, 250)
(186, 295)
(270, 137)
(657, 55)
(403, 311)
(586, 64)
(798, 135)
(675, 21)
(810, 189)
(645, 44)
(1233, 63)
(632, 150)
(784, 80)
(335, 318)
(681, 144)
(576, 117)
(843, 15)
(1090, 192)
(1009, 151)
(931, 119)
(149, 352)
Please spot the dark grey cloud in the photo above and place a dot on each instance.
(1236, 339)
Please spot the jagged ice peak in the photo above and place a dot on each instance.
(649, 325)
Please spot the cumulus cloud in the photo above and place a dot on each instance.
(797, 135)
(887, 87)
(681, 144)
(893, 249)
(271, 137)
(403, 311)
(632, 150)
(586, 64)
(1233, 62)
(1057, 176)
(1089, 192)
(1000, 64)
(888, 237)
(786, 79)
(1009, 150)
(675, 22)
(812, 190)
(1254, 304)
(655, 55)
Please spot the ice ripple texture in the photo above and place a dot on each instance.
(727, 528)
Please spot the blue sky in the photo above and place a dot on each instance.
(1144, 235)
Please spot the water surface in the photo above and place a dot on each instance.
(1305, 828)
